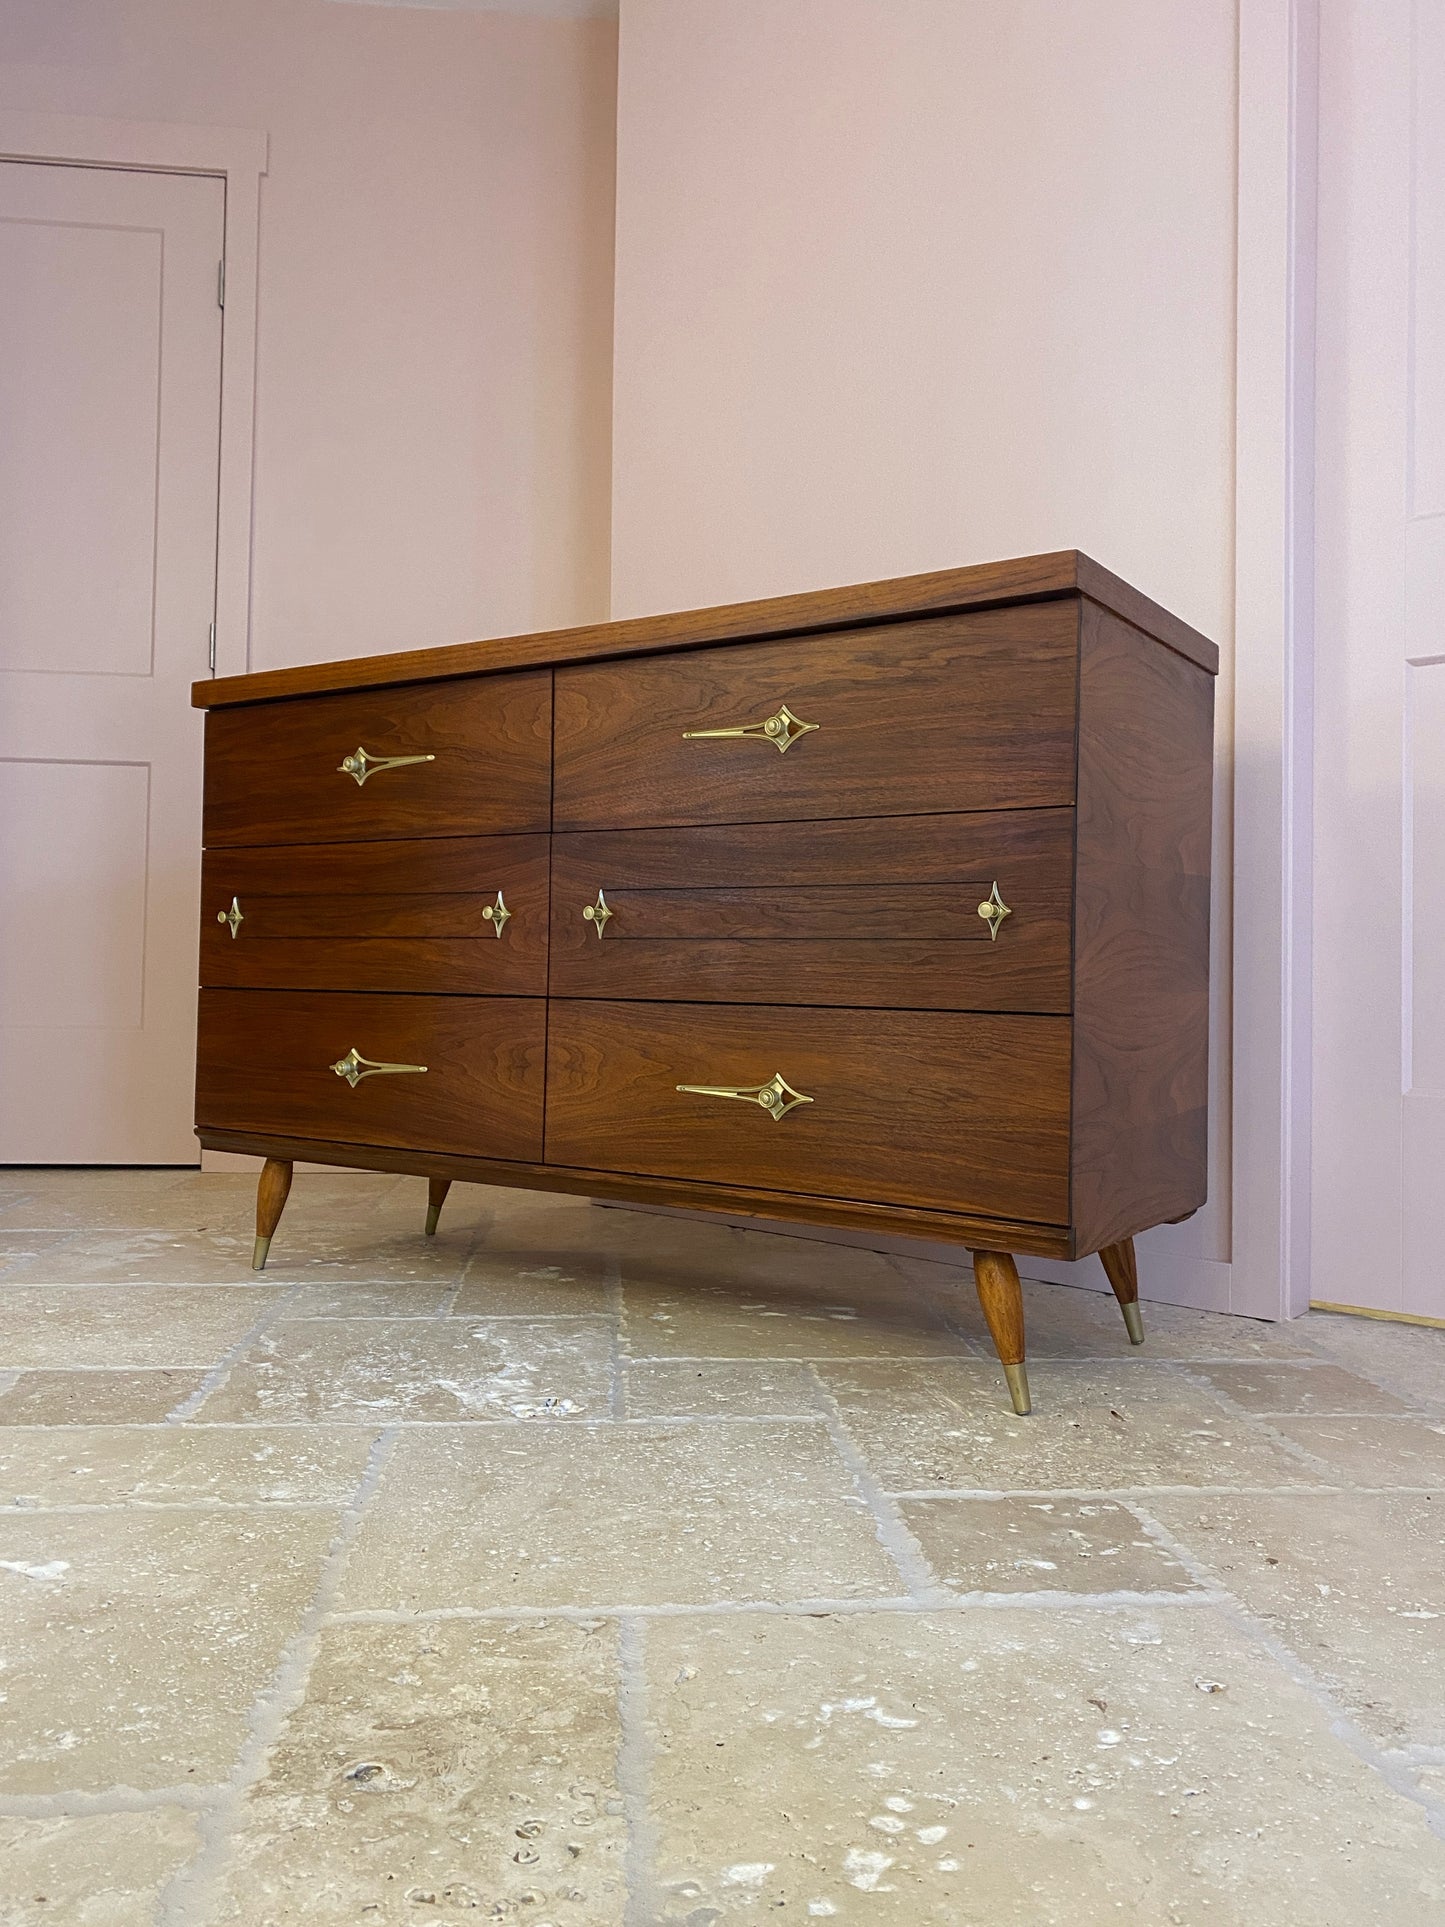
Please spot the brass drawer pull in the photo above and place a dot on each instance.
(993, 910)
(777, 1097)
(349, 1067)
(233, 917)
(599, 915)
(781, 730)
(361, 764)
(497, 914)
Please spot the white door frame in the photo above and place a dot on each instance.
(1274, 650)
(238, 156)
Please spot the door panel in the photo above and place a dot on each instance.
(1378, 1071)
(109, 451)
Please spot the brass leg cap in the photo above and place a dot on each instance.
(433, 1219)
(1133, 1323)
(1018, 1389)
(258, 1256)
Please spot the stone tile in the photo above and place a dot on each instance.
(444, 1771)
(709, 1291)
(384, 1370)
(1070, 1321)
(127, 1327)
(1024, 1769)
(77, 1200)
(136, 1641)
(18, 1246)
(1408, 1359)
(1352, 1582)
(180, 1465)
(719, 1388)
(1041, 1545)
(500, 1282)
(1095, 1427)
(553, 1515)
(1373, 1451)
(381, 1298)
(1297, 1388)
(96, 1397)
(102, 1870)
(350, 1248)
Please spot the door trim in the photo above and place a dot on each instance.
(238, 156)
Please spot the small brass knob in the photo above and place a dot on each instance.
(993, 910)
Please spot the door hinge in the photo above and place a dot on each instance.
(221, 283)
(212, 651)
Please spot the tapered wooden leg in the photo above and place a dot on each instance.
(1002, 1298)
(1123, 1273)
(436, 1197)
(271, 1194)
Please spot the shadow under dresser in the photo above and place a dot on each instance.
(885, 907)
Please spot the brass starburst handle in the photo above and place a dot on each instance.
(350, 1068)
(233, 917)
(497, 914)
(782, 730)
(993, 910)
(361, 763)
(599, 914)
(777, 1097)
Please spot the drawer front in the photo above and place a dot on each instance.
(266, 1063)
(964, 1113)
(972, 712)
(464, 914)
(433, 759)
(878, 913)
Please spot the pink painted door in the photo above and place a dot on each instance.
(110, 360)
(1379, 940)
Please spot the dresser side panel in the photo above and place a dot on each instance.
(1141, 933)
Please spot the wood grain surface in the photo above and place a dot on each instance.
(1141, 945)
(966, 1113)
(942, 591)
(736, 1201)
(273, 772)
(959, 713)
(405, 915)
(872, 912)
(264, 1064)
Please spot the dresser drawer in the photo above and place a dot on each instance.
(968, 712)
(965, 1113)
(266, 1062)
(881, 912)
(422, 759)
(464, 914)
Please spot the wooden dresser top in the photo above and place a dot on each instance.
(944, 591)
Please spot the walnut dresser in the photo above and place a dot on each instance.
(885, 907)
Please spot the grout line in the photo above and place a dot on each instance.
(1261, 1635)
(821, 1608)
(221, 1370)
(893, 1534)
(634, 1772)
(183, 1900)
(617, 1360)
(78, 1804)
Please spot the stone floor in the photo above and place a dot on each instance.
(582, 1568)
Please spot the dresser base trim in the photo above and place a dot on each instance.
(978, 1233)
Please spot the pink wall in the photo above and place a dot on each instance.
(434, 328)
(902, 286)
